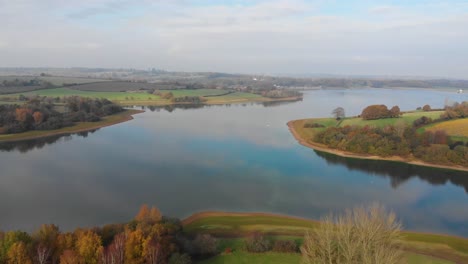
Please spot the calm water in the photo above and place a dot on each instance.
(234, 158)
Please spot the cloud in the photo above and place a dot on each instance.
(384, 9)
(240, 36)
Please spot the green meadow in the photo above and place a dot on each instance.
(231, 229)
(212, 96)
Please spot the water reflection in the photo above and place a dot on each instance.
(399, 172)
(24, 146)
(238, 157)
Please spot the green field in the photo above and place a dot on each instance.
(242, 257)
(406, 119)
(143, 98)
(232, 228)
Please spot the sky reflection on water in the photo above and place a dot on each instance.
(234, 158)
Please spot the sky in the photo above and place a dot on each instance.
(348, 37)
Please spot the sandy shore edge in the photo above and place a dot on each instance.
(323, 148)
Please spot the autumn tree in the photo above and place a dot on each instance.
(8, 239)
(148, 215)
(375, 112)
(23, 115)
(134, 247)
(38, 117)
(338, 113)
(395, 111)
(70, 257)
(18, 254)
(45, 243)
(426, 108)
(88, 246)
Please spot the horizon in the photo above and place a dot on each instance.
(385, 38)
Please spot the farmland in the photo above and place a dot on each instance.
(456, 128)
(406, 119)
(46, 81)
(232, 228)
(213, 96)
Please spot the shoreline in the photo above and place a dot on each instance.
(346, 154)
(118, 118)
(212, 102)
(204, 214)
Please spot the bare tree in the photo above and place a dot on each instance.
(362, 235)
(338, 113)
(115, 252)
(43, 253)
(153, 251)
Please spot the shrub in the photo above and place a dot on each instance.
(178, 258)
(257, 243)
(285, 246)
(423, 120)
(313, 125)
(362, 235)
(205, 244)
(426, 108)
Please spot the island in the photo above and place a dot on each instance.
(425, 137)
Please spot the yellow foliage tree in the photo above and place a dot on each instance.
(17, 254)
(134, 247)
(88, 246)
(70, 257)
(146, 214)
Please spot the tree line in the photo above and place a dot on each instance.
(40, 113)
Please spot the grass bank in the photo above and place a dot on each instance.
(230, 228)
(78, 127)
(305, 135)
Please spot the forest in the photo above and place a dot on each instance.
(45, 113)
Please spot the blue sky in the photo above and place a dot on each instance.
(423, 38)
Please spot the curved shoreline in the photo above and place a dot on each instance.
(125, 116)
(210, 102)
(346, 154)
(203, 214)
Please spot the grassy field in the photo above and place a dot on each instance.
(215, 96)
(457, 128)
(231, 227)
(59, 81)
(242, 257)
(407, 118)
(78, 127)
